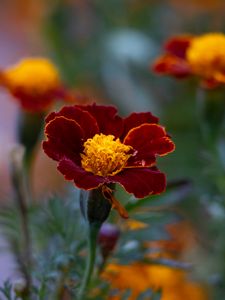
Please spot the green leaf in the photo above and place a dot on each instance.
(145, 295)
(156, 296)
(6, 290)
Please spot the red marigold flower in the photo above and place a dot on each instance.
(202, 56)
(95, 147)
(174, 61)
(34, 82)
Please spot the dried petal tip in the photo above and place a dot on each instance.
(108, 194)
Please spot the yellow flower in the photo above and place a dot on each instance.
(201, 56)
(206, 56)
(35, 82)
(36, 75)
(139, 277)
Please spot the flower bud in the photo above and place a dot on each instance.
(29, 126)
(107, 239)
(94, 207)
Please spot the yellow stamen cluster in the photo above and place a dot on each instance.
(104, 156)
(206, 56)
(33, 75)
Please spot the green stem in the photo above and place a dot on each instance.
(210, 113)
(18, 182)
(93, 230)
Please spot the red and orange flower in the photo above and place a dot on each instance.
(202, 56)
(34, 82)
(95, 147)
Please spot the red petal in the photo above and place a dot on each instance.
(86, 121)
(82, 179)
(141, 181)
(106, 116)
(35, 102)
(171, 65)
(64, 139)
(210, 83)
(148, 140)
(162, 146)
(178, 45)
(137, 119)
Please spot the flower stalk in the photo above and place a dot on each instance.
(93, 230)
(211, 111)
(18, 181)
(95, 209)
(29, 129)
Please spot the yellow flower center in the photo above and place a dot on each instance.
(33, 75)
(206, 56)
(104, 155)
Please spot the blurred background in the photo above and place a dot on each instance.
(104, 50)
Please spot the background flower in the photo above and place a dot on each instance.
(140, 277)
(201, 56)
(34, 82)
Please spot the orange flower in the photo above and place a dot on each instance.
(34, 82)
(139, 277)
(202, 56)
